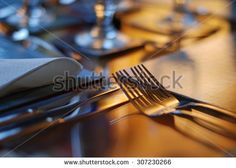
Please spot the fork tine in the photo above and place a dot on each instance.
(128, 87)
(160, 95)
(153, 77)
(118, 80)
(124, 89)
(141, 76)
(139, 80)
(143, 102)
(133, 90)
(164, 91)
(145, 91)
(145, 78)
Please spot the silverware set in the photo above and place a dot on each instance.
(58, 109)
(142, 90)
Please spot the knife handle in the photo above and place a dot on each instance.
(211, 107)
(215, 123)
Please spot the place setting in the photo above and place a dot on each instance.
(113, 78)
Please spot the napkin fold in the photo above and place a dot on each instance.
(21, 74)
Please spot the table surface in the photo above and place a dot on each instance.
(208, 70)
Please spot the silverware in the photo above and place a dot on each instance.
(42, 114)
(60, 120)
(152, 99)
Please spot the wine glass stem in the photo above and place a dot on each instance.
(104, 10)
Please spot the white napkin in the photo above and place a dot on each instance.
(20, 74)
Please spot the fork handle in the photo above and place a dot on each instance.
(211, 107)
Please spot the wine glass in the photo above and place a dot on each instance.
(30, 16)
(181, 18)
(103, 36)
(9, 7)
(32, 12)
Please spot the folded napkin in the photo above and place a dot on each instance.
(21, 74)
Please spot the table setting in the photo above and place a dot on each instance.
(117, 78)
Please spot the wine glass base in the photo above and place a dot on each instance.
(191, 26)
(55, 17)
(39, 18)
(17, 20)
(87, 41)
(101, 48)
(174, 23)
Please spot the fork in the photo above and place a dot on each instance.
(152, 99)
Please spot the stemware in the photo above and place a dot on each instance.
(32, 12)
(181, 18)
(103, 36)
(21, 34)
(9, 7)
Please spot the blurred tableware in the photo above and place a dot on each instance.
(12, 50)
(31, 13)
(9, 7)
(182, 18)
(31, 43)
(17, 133)
(40, 16)
(69, 103)
(103, 36)
(72, 49)
(31, 17)
(174, 23)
